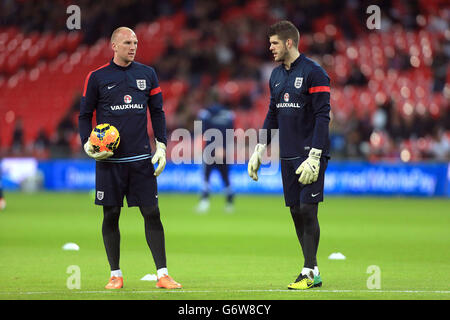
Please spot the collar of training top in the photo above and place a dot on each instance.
(295, 62)
(120, 67)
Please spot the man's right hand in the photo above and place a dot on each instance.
(255, 161)
(89, 149)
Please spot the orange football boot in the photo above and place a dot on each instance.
(115, 283)
(167, 282)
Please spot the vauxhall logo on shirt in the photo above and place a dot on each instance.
(128, 105)
(127, 99)
(286, 103)
(297, 84)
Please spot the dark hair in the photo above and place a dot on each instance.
(285, 30)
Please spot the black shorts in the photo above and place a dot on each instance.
(295, 192)
(135, 180)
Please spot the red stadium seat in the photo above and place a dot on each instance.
(33, 55)
(3, 59)
(72, 40)
(55, 46)
(12, 64)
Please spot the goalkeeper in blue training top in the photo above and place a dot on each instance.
(300, 109)
(121, 92)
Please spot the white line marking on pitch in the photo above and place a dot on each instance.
(225, 291)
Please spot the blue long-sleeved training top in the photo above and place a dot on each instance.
(217, 117)
(120, 96)
(300, 108)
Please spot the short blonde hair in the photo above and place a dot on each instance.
(117, 31)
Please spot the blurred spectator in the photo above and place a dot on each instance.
(42, 143)
(356, 77)
(357, 130)
(66, 127)
(395, 125)
(424, 124)
(439, 67)
(337, 134)
(440, 145)
(400, 60)
(60, 146)
(322, 44)
(18, 143)
(405, 13)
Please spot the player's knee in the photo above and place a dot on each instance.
(110, 219)
(151, 213)
(111, 212)
(308, 210)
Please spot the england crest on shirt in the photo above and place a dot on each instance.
(100, 195)
(141, 84)
(298, 82)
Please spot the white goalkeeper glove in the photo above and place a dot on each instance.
(309, 169)
(255, 161)
(89, 149)
(160, 157)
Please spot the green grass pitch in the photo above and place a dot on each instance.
(252, 253)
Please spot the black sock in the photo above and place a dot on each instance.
(308, 231)
(111, 235)
(311, 233)
(205, 195)
(298, 223)
(154, 233)
(229, 197)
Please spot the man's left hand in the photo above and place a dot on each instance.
(309, 169)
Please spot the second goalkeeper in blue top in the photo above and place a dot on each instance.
(300, 109)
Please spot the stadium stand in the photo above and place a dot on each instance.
(390, 87)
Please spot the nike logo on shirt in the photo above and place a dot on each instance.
(110, 87)
(315, 195)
